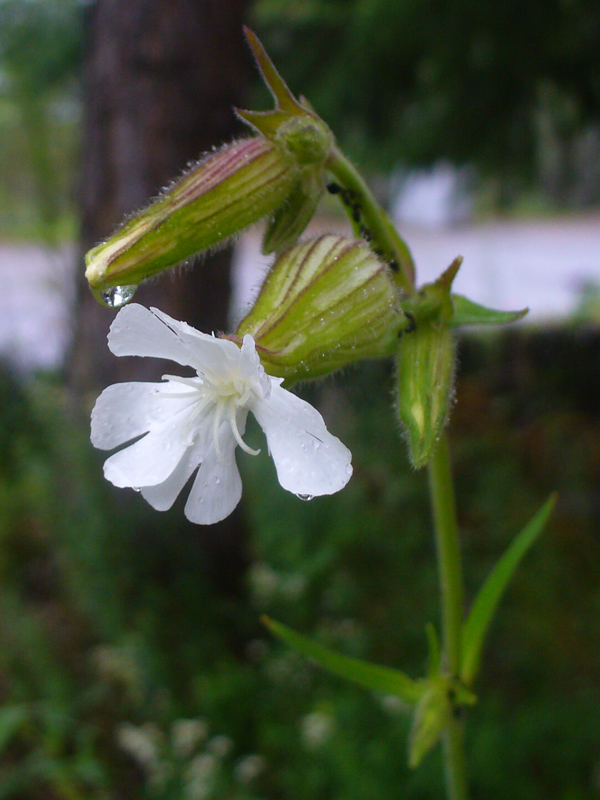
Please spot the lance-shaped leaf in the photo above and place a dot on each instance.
(284, 99)
(490, 594)
(291, 123)
(370, 676)
(466, 312)
(303, 137)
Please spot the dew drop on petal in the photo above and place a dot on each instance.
(117, 296)
(305, 496)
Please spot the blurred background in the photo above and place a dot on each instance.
(132, 660)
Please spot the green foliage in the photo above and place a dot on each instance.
(490, 594)
(466, 312)
(378, 679)
(40, 55)
(416, 80)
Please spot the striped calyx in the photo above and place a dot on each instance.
(223, 193)
(278, 174)
(326, 302)
(426, 365)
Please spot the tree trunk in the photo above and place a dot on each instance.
(160, 80)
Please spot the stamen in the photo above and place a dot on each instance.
(216, 425)
(234, 429)
(241, 401)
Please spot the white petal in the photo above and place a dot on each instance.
(137, 331)
(209, 355)
(163, 495)
(217, 489)
(309, 460)
(251, 368)
(127, 410)
(153, 458)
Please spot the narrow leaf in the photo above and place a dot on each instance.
(466, 312)
(283, 97)
(265, 122)
(371, 676)
(490, 594)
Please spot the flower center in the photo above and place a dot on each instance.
(223, 397)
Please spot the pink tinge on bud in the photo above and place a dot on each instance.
(222, 194)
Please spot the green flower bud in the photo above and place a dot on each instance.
(326, 302)
(425, 366)
(225, 192)
(425, 374)
(279, 174)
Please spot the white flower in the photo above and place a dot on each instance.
(186, 423)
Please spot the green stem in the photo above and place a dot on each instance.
(382, 234)
(450, 576)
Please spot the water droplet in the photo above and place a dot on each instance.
(117, 296)
(136, 488)
(217, 480)
(305, 496)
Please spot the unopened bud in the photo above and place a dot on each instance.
(326, 303)
(225, 192)
(425, 374)
(426, 363)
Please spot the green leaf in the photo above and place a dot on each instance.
(430, 719)
(490, 594)
(283, 97)
(466, 312)
(371, 676)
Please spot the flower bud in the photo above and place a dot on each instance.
(225, 192)
(425, 374)
(426, 363)
(326, 302)
(279, 174)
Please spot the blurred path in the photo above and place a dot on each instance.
(35, 303)
(543, 264)
(540, 263)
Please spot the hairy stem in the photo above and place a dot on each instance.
(371, 221)
(451, 591)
